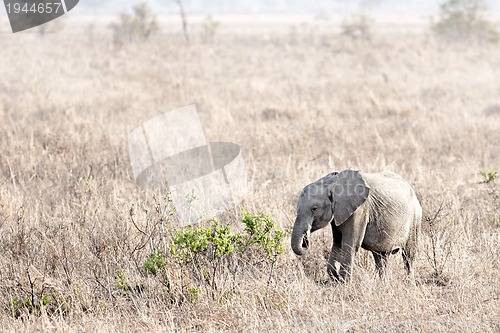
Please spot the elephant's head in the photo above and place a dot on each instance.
(334, 197)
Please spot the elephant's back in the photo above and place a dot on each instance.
(390, 186)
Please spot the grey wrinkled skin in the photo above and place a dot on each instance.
(376, 211)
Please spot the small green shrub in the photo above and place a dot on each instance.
(488, 176)
(121, 281)
(215, 254)
(193, 294)
(205, 251)
(45, 300)
(216, 241)
(30, 305)
(261, 229)
(464, 20)
(155, 261)
(495, 222)
(20, 304)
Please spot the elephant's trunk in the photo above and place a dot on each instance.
(300, 237)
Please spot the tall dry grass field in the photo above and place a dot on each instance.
(300, 106)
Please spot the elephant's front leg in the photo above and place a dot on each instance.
(353, 232)
(334, 265)
(344, 264)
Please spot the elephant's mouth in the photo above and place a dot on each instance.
(305, 239)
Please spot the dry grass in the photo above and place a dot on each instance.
(401, 102)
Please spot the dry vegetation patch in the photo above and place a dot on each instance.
(71, 257)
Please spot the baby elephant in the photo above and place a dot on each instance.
(376, 211)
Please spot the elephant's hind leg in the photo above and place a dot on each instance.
(380, 261)
(410, 249)
(408, 256)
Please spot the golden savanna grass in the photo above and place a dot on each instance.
(299, 108)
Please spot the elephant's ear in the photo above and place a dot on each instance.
(347, 193)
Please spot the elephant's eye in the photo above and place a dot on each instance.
(314, 208)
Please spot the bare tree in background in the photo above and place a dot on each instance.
(183, 17)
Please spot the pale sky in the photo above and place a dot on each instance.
(328, 7)
(382, 10)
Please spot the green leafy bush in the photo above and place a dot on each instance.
(261, 229)
(216, 241)
(214, 255)
(205, 251)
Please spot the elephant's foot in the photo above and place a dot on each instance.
(338, 272)
(333, 270)
(380, 262)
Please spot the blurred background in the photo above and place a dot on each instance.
(278, 11)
